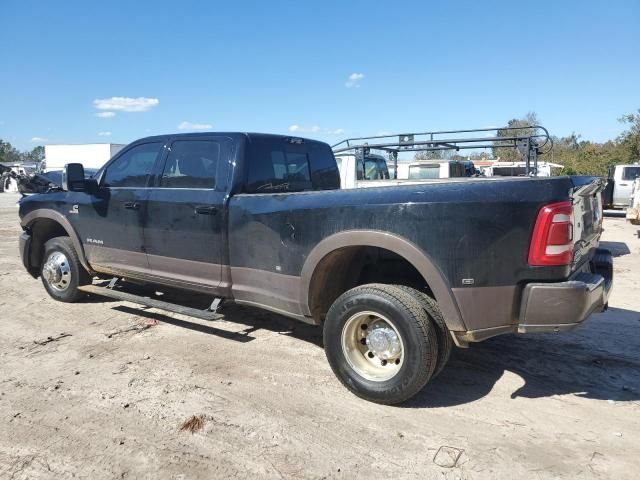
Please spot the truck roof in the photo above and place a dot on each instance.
(248, 135)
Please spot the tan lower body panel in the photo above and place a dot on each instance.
(266, 288)
(488, 307)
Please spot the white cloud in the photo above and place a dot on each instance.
(104, 134)
(315, 129)
(383, 133)
(301, 129)
(353, 81)
(106, 114)
(126, 104)
(39, 139)
(194, 126)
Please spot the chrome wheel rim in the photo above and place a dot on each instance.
(372, 346)
(57, 272)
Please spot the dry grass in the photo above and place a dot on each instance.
(193, 424)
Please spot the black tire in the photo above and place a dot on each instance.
(445, 342)
(416, 331)
(78, 275)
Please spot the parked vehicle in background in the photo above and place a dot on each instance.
(519, 169)
(373, 170)
(620, 178)
(354, 171)
(11, 174)
(90, 155)
(633, 212)
(434, 169)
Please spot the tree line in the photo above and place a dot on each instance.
(10, 154)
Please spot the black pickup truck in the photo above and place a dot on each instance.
(394, 275)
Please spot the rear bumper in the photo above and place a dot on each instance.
(554, 307)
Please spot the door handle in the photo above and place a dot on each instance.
(131, 205)
(206, 210)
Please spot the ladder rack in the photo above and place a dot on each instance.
(530, 141)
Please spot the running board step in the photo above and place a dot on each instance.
(150, 302)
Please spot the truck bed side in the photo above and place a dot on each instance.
(475, 232)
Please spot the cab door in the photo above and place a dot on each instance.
(111, 222)
(185, 220)
(624, 178)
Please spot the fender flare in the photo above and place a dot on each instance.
(403, 247)
(40, 213)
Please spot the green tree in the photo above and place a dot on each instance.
(36, 155)
(509, 153)
(8, 153)
(630, 139)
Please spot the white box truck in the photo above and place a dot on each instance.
(90, 155)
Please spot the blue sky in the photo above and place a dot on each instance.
(286, 66)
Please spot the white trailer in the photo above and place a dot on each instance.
(90, 155)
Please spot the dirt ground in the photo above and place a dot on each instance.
(100, 389)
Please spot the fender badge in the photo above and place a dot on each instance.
(74, 209)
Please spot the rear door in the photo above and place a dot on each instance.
(185, 221)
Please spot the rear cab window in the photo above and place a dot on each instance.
(289, 164)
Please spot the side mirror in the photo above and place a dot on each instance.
(73, 178)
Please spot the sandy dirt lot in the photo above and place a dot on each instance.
(106, 395)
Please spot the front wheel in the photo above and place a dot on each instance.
(380, 343)
(61, 272)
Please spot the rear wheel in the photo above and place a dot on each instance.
(445, 342)
(61, 272)
(380, 343)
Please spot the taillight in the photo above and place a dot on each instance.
(552, 239)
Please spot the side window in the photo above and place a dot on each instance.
(191, 164)
(631, 173)
(133, 168)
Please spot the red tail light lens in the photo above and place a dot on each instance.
(552, 239)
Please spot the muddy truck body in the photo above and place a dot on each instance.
(395, 275)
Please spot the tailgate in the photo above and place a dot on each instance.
(587, 217)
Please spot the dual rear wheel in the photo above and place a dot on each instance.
(385, 342)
